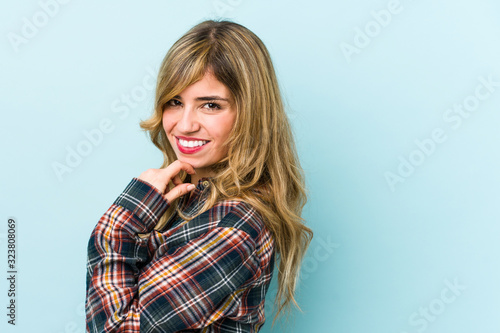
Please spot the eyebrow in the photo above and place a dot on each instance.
(207, 98)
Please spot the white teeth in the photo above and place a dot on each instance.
(191, 144)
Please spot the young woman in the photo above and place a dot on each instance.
(192, 246)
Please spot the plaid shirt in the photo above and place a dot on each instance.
(210, 274)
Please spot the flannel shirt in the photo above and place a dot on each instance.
(210, 274)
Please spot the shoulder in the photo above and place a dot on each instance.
(244, 217)
(226, 217)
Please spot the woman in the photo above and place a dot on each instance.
(191, 246)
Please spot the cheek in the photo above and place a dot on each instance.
(224, 126)
(168, 124)
(221, 134)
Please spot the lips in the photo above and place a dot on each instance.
(190, 141)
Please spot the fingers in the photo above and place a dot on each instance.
(153, 177)
(171, 172)
(177, 166)
(176, 180)
(178, 191)
(160, 178)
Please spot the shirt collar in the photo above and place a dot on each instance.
(198, 195)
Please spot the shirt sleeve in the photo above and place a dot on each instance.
(189, 286)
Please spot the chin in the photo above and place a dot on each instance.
(193, 163)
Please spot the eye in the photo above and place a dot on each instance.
(211, 105)
(173, 102)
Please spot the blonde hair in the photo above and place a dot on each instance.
(262, 167)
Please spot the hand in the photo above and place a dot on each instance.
(160, 178)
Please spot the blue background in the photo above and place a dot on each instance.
(384, 258)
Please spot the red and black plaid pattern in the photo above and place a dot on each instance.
(210, 274)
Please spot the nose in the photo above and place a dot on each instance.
(188, 122)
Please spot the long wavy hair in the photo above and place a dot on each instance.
(262, 167)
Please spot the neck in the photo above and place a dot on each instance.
(200, 173)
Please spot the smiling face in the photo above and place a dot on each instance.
(198, 121)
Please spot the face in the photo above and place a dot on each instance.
(198, 121)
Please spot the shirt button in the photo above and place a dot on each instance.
(205, 183)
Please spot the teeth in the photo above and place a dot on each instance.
(191, 144)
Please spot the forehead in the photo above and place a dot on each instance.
(208, 85)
